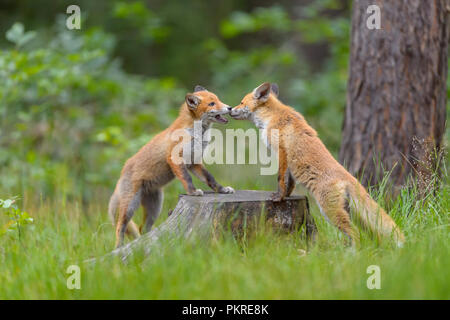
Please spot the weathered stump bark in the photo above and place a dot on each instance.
(209, 215)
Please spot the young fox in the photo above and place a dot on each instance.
(304, 158)
(144, 174)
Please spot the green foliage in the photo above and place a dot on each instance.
(318, 94)
(139, 16)
(17, 219)
(274, 18)
(69, 105)
(17, 35)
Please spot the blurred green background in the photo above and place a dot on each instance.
(75, 104)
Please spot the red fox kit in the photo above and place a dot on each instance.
(145, 173)
(304, 158)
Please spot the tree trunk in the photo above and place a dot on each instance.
(396, 97)
(209, 215)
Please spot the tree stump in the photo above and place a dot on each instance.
(209, 215)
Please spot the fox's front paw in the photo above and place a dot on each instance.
(197, 192)
(226, 190)
(276, 197)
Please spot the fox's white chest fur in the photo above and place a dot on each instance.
(194, 146)
(262, 126)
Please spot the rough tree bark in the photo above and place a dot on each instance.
(396, 97)
(209, 215)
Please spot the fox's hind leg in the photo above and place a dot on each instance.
(334, 206)
(152, 203)
(341, 219)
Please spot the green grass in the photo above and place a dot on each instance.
(266, 266)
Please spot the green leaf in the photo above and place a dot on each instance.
(18, 36)
(15, 33)
(7, 203)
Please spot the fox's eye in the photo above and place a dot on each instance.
(212, 104)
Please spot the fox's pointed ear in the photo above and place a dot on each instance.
(192, 101)
(275, 89)
(199, 88)
(262, 92)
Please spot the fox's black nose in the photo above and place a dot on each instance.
(229, 108)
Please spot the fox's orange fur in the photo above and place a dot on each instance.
(304, 158)
(153, 166)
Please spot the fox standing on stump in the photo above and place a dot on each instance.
(304, 158)
(144, 174)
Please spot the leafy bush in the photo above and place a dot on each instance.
(67, 110)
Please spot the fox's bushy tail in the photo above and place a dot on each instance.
(112, 208)
(373, 217)
(132, 228)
